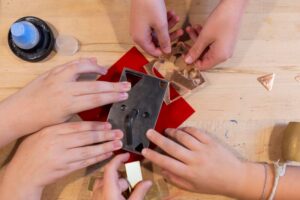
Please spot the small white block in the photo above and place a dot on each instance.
(134, 173)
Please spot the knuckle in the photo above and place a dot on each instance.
(115, 86)
(180, 136)
(73, 68)
(86, 138)
(106, 147)
(98, 99)
(75, 126)
(84, 163)
(161, 26)
(85, 152)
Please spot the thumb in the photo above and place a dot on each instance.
(163, 37)
(197, 50)
(140, 190)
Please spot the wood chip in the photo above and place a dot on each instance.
(267, 81)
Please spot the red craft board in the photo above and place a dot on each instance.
(171, 116)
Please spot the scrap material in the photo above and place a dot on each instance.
(134, 173)
(183, 77)
(66, 45)
(267, 81)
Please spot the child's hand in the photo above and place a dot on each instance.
(111, 186)
(56, 151)
(215, 41)
(196, 162)
(55, 96)
(150, 24)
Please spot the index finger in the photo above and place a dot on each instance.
(72, 70)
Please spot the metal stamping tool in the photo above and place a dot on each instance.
(140, 111)
(183, 78)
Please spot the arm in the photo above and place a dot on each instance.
(54, 97)
(55, 152)
(201, 164)
(214, 42)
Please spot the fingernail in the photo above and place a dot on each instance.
(149, 132)
(167, 49)
(117, 144)
(189, 60)
(103, 70)
(118, 134)
(144, 151)
(123, 96)
(126, 85)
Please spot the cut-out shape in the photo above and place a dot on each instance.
(134, 173)
(267, 81)
(183, 77)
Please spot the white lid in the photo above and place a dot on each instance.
(66, 45)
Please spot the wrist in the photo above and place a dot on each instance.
(12, 187)
(255, 181)
(8, 123)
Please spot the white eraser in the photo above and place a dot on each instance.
(134, 173)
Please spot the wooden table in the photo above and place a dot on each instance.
(234, 106)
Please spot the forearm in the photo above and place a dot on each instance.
(12, 187)
(8, 123)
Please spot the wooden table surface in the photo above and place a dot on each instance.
(233, 106)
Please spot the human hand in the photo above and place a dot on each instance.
(55, 152)
(111, 186)
(199, 163)
(150, 24)
(55, 96)
(214, 42)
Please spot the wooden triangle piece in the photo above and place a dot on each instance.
(267, 81)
